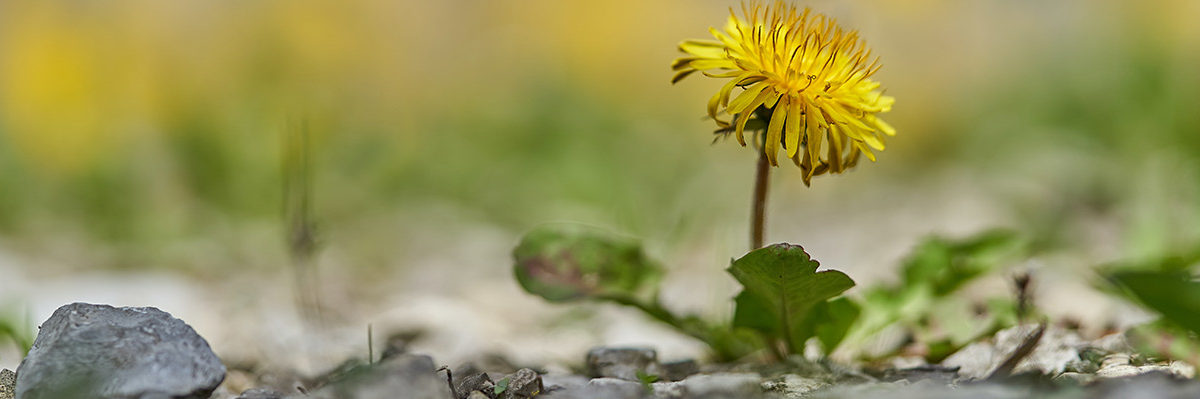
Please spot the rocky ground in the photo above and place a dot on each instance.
(88, 350)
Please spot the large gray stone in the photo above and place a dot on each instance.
(99, 351)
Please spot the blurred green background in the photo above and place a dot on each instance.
(146, 135)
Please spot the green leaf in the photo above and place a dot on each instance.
(501, 386)
(781, 286)
(21, 334)
(646, 377)
(945, 265)
(566, 262)
(1171, 292)
(832, 320)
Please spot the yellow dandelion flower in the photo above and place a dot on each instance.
(803, 78)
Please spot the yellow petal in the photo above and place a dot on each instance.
(866, 151)
(743, 100)
(815, 132)
(708, 63)
(883, 126)
(740, 125)
(791, 130)
(703, 48)
(774, 130)
(835, 148)
(682, 74)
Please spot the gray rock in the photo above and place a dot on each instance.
(926, 390)
(678, 370)
(523, 384)
(8, 384)
(723, 385)
(668, 390)
(1149, 385)
(261, 393)
(939, 374)
(1182, 369)
(1120, 365)
(477, 395)
(473, 382)
(623, 363)
(1112, 343)
(1126, 370)
(1057, 349)
(101, 351)
(793, 386)
(601, 388)
(1077, 378)
(562, 381)
(403, 376)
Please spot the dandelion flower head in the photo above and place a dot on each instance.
(802, 77)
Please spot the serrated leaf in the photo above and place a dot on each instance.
(781, 286)
(565, 263)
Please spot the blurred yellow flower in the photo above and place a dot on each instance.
(804, 78)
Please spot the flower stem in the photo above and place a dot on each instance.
(758, 218)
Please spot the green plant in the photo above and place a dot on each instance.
(782, 290)
(1167, 286)
(784, 302)
(17, 330)
(923, 302)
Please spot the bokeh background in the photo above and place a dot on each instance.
(144, 159)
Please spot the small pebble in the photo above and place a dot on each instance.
(724, 385)
(678, 370)
(525, 383)
(8, 384)
(471, 383)
(623, 363)
(261, 393)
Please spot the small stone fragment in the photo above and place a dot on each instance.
(678, 370)
(1158, 384)
(1112, 343)
(563, 381)
(623, 363)
(723, 386)
(414, 375)
(523, 384)
(473, 382)
(100, 351)
(601, 388)
(1077, 378)
(940, 374)
(261, 393)
(1182, 369)
(1123, 370)
(668, 390)
(477, 395)
(793, 386)
(8, 384)
(1057, 349)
